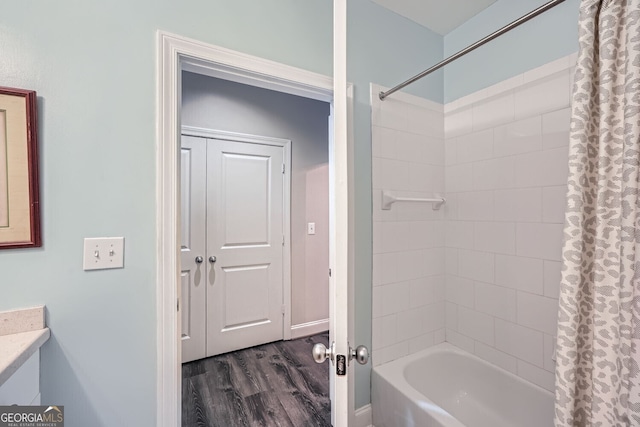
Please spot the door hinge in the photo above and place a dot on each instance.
(283, 240)
(283, 168)
(283, 308)
(329, 272)
(178, 305)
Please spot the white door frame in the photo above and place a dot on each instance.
(285, 144)
(174, 54)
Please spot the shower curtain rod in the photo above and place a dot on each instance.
(474, 46)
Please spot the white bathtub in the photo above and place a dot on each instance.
(445, 386)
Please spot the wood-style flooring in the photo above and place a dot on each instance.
(275, 384)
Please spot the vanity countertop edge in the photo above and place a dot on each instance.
(22, 333)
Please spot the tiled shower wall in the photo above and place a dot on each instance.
(408, 240)
(504, 169)
(506, 174)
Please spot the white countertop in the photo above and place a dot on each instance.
(22, 333)
(15, 349)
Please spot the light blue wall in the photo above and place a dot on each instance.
(93, 66)
(547, 37)
(386, 49)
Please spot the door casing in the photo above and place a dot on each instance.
(175, 54)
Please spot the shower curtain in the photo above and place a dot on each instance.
(598, 344)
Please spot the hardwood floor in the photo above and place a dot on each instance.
(275, 384)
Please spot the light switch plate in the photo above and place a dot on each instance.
(311, 228)
(103, 252)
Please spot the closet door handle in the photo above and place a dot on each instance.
(212, 259)
(199, 260)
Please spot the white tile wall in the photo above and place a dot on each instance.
(460, 291)
(475, 146)
(493, 174)
(408, 240)
(539, 240)
(520, 273)
(498, 358)
(391, 352)
(552, 271)
(518, 204)
(555, 126)
(484, 272)
(496, 301)
(459, 178)
(423, 291)
(460, 340)
(506, 172)
(451, 260)
(543, 95)
(476, 325)
(549, 344)
(493, 111)
(476, 265)
(459, 234)
(495, 237)
(518, 137)
(534, 374)
(553, 203)
(476, 206)
(424, 341)
(542, 168)
(459, 122)
(538, 312)
(519, 341)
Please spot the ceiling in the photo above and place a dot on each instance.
(440, 16)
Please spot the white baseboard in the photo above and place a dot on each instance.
(363, 416)
(309, 328)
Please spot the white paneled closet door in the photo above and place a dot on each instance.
(245, 215)
(193, 272)
(233, 220)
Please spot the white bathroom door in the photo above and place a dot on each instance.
(342, 224)
(193, 303)
(245, 238)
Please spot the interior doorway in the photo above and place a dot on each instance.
(263, 140)
(178, 54)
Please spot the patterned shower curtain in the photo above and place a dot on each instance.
(598, 344)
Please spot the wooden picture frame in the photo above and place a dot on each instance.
(19, 185)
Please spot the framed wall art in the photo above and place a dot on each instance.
(19, 186)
